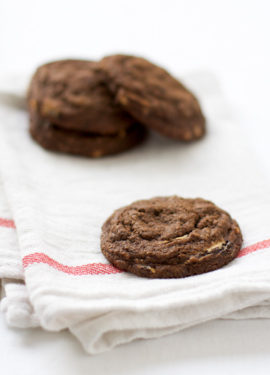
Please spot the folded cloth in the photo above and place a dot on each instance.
(53, 207)
(10, 260)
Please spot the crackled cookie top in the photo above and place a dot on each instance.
(155, 98)
(72, 94)
(170, 237)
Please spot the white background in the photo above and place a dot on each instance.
(229, 38)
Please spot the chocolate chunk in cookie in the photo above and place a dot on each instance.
(72, 95)
(170, 237)
(152, 96)
(54, 138)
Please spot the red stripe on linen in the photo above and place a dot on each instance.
(107, 269)
(7, 223)
(257, 246)
(87, 269)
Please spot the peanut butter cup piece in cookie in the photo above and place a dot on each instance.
(72, 95)
(170, 237)
(155, 98)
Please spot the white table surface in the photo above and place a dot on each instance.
(230, 39)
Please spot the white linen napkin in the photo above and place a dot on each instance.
(53, 207)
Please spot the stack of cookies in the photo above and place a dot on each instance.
(99, 108)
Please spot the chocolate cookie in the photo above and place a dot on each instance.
(51, 137)
(170, 237)
(152, 96)
(72, 95)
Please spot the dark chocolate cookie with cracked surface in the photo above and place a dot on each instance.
(72, 95)
(53, 138)
(154, 97)
(170, 237)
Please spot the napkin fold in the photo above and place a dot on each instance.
(52, 207)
